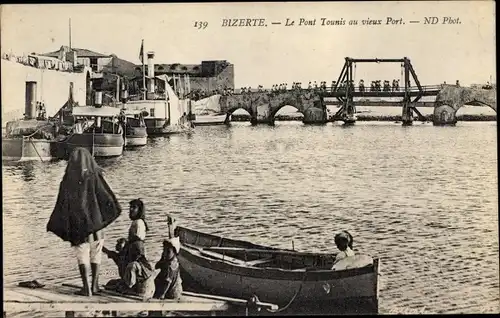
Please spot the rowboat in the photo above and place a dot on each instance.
(288, 278)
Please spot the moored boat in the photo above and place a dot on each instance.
(95, 128)
(155, 114)
(134, 128)
(30, 138)
(288, 278)
(209, 120)
(164, 111)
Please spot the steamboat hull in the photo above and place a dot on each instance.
(27, 149)
(155, 126)
(136, 136)
(101, 145)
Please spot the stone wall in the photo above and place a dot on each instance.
(52, 88)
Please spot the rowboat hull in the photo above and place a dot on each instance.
(100, 144)
(26, 149)
(321, 286)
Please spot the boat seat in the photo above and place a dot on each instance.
(259, 261)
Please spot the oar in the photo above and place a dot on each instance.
(236, 301)
(262, 251)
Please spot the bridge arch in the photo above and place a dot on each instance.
(241, 110)
(275, 110)
(451, 98)
(246, 109)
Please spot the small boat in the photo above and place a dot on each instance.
(209, 119)
(95, 128)
(241, 269)
(135, 129)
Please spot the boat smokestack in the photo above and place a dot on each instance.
(98, 99)
(30, 104)
(151, 72)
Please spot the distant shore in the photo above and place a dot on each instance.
(365, 117)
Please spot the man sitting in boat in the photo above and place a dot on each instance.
(343, 240)
(168, 283)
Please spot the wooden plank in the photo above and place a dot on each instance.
(167, 305)
(259, 261)
(12, 295)
(135, 298)
(191, 297)
(49, 293)
(103, 296)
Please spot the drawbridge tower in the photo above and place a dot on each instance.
(345, 91)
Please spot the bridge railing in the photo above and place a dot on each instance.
(327, 90)
(356, 89)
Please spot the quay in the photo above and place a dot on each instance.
(61, 298)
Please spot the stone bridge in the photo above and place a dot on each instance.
(263, 106)
(451, 98)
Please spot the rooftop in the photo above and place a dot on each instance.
(79, 52)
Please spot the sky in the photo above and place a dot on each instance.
(276, 53)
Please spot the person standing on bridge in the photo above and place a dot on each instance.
(85, 206)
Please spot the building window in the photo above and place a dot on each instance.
(93, 64)
(152, 112)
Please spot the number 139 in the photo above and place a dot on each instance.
(200, 24)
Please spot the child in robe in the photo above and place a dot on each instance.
(119, 256)
(168, 283)
(138, 276)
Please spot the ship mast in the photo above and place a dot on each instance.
(70, 34)
(143, 72)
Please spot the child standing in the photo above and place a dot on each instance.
(138, 274)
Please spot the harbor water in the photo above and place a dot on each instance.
(423, 198)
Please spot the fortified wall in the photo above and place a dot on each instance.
(52, 88)
(224, 79)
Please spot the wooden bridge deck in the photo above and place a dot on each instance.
(63, 299)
